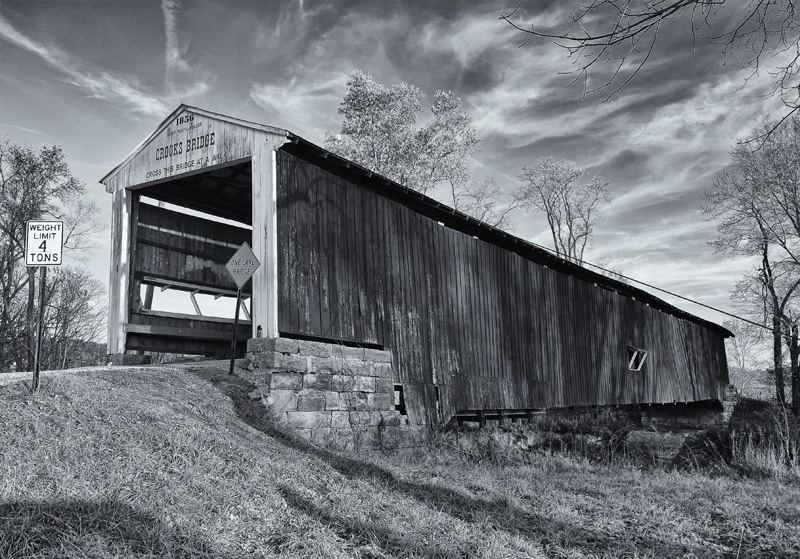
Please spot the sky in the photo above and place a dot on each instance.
(98, 77)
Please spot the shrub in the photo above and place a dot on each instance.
(761, 440)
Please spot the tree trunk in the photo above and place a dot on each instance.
(794, 352)
(777, 359)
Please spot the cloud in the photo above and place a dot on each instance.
(303, 106)
(101, 85)
(174, 61)
(23, 129)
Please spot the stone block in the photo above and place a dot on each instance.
(340, 419)
(244, 363)
(310, 401)
(255, 394)
(293, 363)
(390, 418)
(364, 384)
(382, 370)
(281, 345)
(320, 381)
(348, 352)
(282, 400)
(384, 385)
(368, 438)
(317, 349)
(262, 379)
(378, 356)
(342, 383)
(355, 401)
(304, 434)
(332, 401)
(255, 345)
(321, 365)
(266, 360)
(322, 436)
(286, 381)
(364, 419)
(280, 419)
(342, 439)
(308, 419)
(353, 367)
(380, 401)
(338, 364)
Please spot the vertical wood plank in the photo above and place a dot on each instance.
(264, 303)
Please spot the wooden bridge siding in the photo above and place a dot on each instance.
(202, 337)
(489, 327)
(189, 257)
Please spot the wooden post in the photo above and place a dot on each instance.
(264, 304)
(235, 327)
(40, 330)
(120, 269)
(481, 419)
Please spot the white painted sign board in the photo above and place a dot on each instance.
(43, 243)
(242, 265)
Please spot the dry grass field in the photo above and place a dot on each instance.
(177, 461)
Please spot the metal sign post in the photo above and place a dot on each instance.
(241, 267)
(44, 242)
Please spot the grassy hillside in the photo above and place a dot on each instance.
(177, 461)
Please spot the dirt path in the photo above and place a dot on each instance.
(27, 376)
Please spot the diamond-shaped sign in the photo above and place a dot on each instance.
(242, 265)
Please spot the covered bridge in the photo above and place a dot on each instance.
(476, 319)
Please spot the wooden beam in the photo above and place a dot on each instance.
(178, 332)
(183, 286)
(185, 316)
(194, 302)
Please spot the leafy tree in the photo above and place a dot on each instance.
(33, 185)
(757, 207)
(380, 132)
(570, 203)
(623, 34)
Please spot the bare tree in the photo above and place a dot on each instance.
(75, 315)
(767, 295)
(792, 339)
(33, 185)
(757, 208)
(557, 189)
(743, 348)
(624, 33)
(380, 132)
(484, 201)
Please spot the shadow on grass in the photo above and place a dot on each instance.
(82, 528)
(525, 522)
(364, 533)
